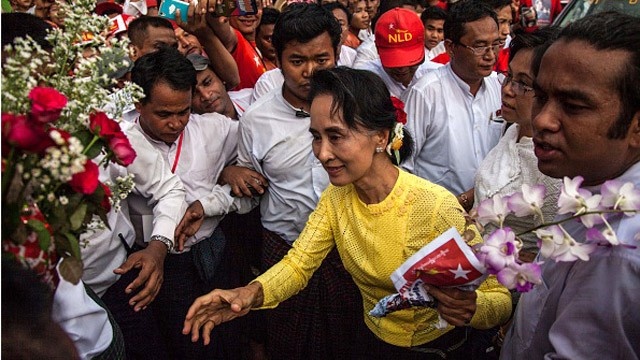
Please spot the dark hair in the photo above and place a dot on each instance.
(15, 25)
(464, 12)
(137, 30)
(337, 5)
(497, 4)
(386, 5)
(302, 22)
(28, 330)
(363, 99)
(610, 31)
(532, 40)
(432, 13)
(269, 17)
(166, 66)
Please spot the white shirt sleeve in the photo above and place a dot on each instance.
(154, 181)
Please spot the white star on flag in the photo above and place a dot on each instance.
(460, 272)
(257, 60)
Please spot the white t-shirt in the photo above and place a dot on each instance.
(453, 130)
(277, 144)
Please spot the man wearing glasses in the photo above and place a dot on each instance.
(453, 112)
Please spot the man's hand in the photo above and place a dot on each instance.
(190, 224)
(455, 306)
(150, 261)
(242, 179)
(220, 306)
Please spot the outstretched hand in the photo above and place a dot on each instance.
(455, 306)
(150, 261)
(219, 306)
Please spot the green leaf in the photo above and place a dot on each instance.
(44, 238)
(77, 218)
(74, 245)
(86, 137)
(71, 269)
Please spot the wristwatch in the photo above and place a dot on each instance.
(163, 239)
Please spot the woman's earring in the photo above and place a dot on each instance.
(379, 149)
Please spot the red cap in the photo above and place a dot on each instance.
(400, 38)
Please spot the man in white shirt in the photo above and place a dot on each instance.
(196, 148)
(588, 128)
(400, 44)
(451, 112)
(275, 141)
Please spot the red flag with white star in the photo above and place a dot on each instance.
(445, 261)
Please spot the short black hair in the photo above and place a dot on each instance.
(433, 13)
(166, 66)
(137, 30)
(497, 4)
(464, 12)
(19, 25)
(609, 31)
(532, 40)
(363, 99)
(269, 17)
(302, 22)
(337, 5)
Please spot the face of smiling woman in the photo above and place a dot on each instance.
(346, 154)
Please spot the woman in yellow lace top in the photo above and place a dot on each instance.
(377, 216)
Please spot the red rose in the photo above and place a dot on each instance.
(122, 149)
(46, 104)
(25, 134)
(101, 125)
(401, 116)
(86, 182)
(106, 205)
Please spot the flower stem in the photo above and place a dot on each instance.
(93, 141)
(575, 216)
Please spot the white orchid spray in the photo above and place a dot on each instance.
(499, 252)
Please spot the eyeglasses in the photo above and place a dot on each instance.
(516, 86)
(483, 50)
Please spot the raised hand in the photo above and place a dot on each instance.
(219, 306)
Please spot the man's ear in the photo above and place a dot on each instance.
(448, 45)
(133, 52)
(138, 107)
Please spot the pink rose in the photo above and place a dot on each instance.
(46, 104)
(101, 125)
(25, 134)
(122, 149)
(86, 182)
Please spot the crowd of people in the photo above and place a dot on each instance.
(290, 160)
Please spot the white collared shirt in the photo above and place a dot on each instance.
(157, 186)
(209, 144)
(453, 130)
(396, 88)
(277, 144)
